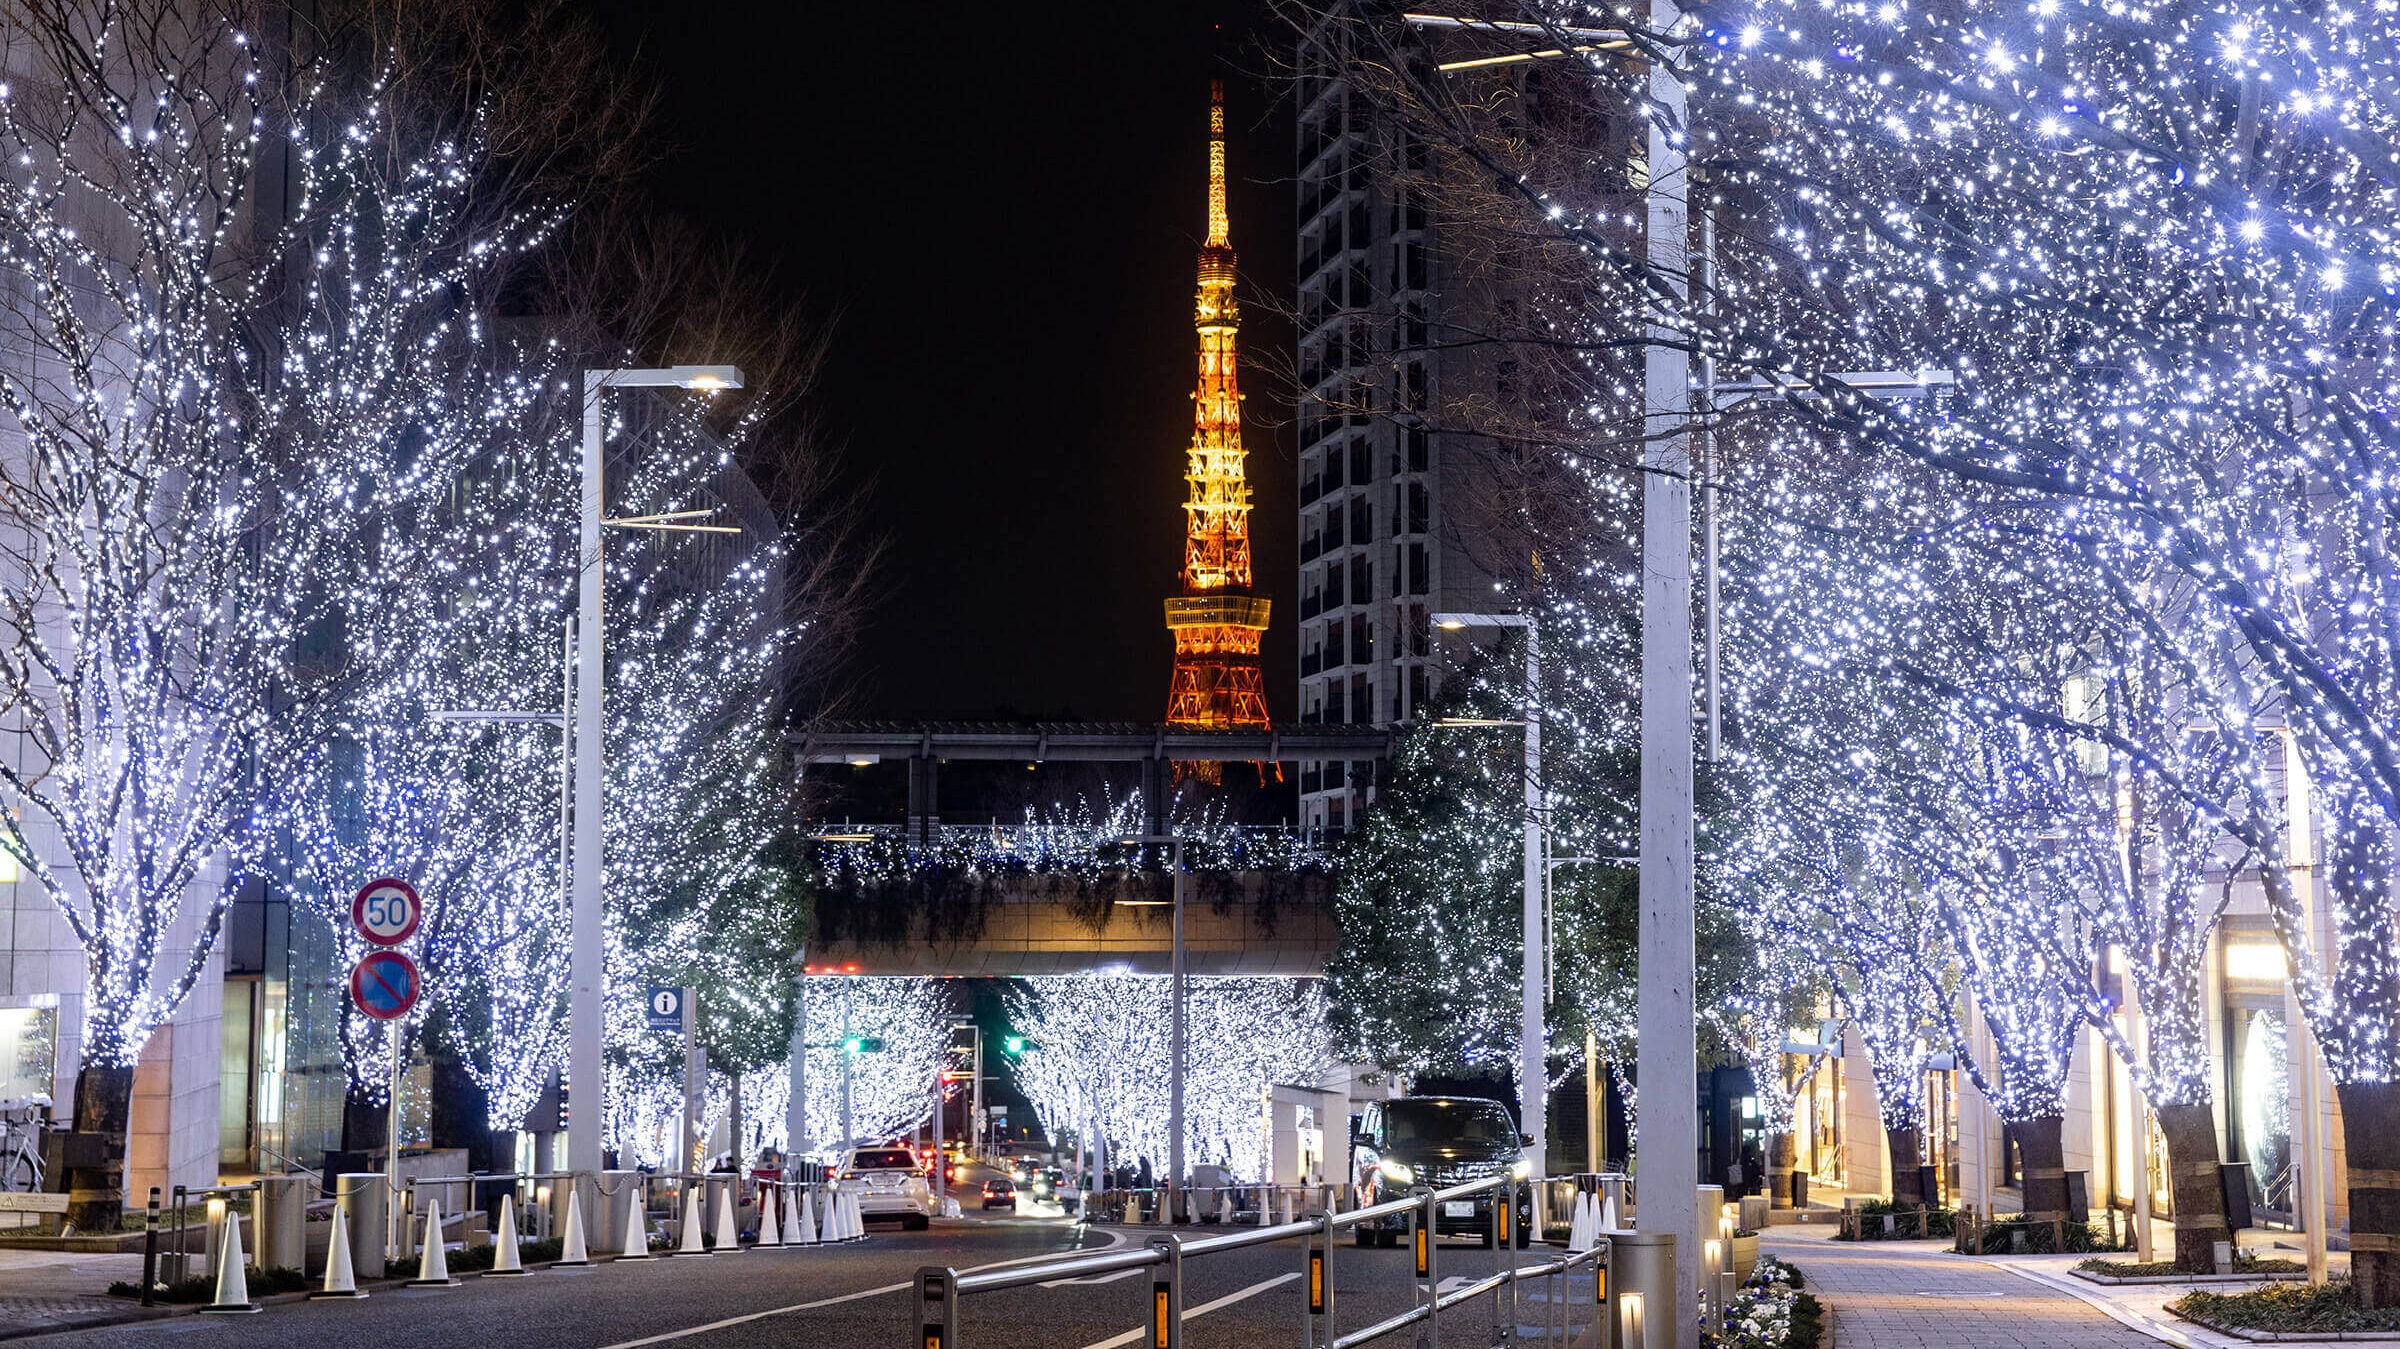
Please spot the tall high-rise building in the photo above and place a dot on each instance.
(1218, 620)
(1393, 526)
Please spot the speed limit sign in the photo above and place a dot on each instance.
(386, 911)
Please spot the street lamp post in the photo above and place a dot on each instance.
(585, 973)
(1175, 1033)
(1533, 1070)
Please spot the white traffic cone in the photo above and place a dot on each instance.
(689, 1242)
(1579, 1230)
(1225, 1207)
(837, 1218)
(433, 1265)
(729, 1232)
(233, 1282)
(854, 1219)
(770, 1232)
(637, 1230)
(804, 1219)
(505, 1259)
(1608, 1214)
(340, 1279)
(571, 1251)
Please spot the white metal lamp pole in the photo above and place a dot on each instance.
(1533, 1041)
(584, 958)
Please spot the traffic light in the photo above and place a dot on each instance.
(862, 1044)
(1014, 1044)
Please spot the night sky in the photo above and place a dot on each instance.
(997, 211)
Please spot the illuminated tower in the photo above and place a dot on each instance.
(1217, 620)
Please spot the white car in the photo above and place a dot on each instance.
(889, 1183)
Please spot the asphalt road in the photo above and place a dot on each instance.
(856, 1296)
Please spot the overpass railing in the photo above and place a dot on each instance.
(1036, 847)
(941, 1290)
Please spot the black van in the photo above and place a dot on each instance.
(1433, 1142)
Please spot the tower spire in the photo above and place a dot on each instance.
(1219, 235)
(1217, 620)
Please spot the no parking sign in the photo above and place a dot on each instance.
(385, 985)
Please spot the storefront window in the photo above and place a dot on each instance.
(28, 1051)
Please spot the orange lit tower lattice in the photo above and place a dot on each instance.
(1217, 620)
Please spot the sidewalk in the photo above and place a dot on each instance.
(1916, 1295)
(52, 1290)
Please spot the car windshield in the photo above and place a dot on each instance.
(1447, 1122)
(883, 1159)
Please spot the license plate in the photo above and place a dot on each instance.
(885, 1182)
(1458, 1208)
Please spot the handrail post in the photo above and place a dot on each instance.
(937, 1306)
(1318, 1253)
(1505, 1220)
(1166, 1292)
(1428, 1266)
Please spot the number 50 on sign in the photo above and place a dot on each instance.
(386, 911)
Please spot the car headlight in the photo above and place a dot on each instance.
(1521, 1168)
(1399, 1173)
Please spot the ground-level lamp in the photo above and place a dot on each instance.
(1533, 1072)
(586, 956)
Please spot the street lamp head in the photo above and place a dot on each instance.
(708, 377)
(1452, 622)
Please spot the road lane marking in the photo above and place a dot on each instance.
(1117, 1342)
(1092, 1279)
(1114, 1239)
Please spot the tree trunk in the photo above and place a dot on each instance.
(2193, 1179)
(103, 1106)
(1783, 1158)
(462, 1113)
(366, 1124)
(1906, 1192)
(2371, 1136)
(2041, 1142)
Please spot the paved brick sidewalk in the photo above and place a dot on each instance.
(1915, 1295)
(51, 1290)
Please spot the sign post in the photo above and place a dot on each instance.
(678, 1009)
(385, 985)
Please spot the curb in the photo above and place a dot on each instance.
(2195, 1280)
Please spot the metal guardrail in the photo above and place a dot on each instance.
(941, 1290)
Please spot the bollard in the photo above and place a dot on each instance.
(233, 1285)
(363, 1196)
(1646, 1278)
(281, 1223)
(150, 1251)
(340, 1280)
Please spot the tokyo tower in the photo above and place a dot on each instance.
(1217, 620)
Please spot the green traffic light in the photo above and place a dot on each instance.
(1015, 1044)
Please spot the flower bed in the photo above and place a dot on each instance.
(1771, 1312)
(2244, 1265)
(2285, 1309)
(1908, 1222)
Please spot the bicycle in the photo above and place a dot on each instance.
(22, 1121)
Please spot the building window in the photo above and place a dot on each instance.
(1418, 690)
(1420, 508)
(1420, 570)
(1420, 452)
(1362, 515)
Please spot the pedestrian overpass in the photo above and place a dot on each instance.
(922, 897)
